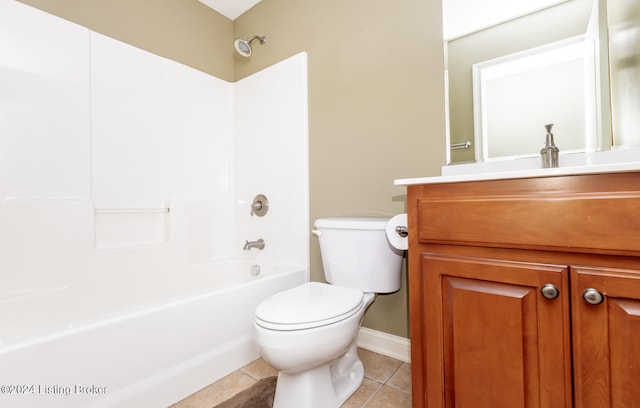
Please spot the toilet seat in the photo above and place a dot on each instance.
(307, 306)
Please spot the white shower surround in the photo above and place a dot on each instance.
(97, 140)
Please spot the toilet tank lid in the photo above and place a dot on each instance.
(354, 223)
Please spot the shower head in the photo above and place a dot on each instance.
(244, 46)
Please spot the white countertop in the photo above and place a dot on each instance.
(615, 161)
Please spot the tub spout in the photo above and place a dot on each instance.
(259, 244)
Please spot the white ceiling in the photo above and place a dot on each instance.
(460, 16)
(230, 8)
(466, 16)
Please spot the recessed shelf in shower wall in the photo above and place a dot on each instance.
(130, 227)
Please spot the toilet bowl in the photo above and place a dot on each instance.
(317, 359)
(308, 333)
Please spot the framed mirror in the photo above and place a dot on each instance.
(490, 42)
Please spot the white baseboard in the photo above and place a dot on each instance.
(384, 343)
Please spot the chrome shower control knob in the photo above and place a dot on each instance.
(550, 291)
(260, 205)
(593, 296)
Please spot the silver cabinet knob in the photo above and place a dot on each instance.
(550, 291)
(592, 296)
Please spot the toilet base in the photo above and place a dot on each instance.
(326, 386)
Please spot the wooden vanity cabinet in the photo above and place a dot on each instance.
(606, 339)
(498, 272)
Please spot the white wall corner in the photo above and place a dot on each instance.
(384, 343)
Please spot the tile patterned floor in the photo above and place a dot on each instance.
(387, 384)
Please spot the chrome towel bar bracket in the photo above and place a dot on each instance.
(463, 145)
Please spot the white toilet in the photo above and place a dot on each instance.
(308, 333)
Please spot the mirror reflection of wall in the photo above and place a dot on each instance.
(624, 56)
(568, 19)
(516, 95)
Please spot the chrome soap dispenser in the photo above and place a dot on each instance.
(549, 152)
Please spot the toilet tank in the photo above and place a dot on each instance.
(356, 254)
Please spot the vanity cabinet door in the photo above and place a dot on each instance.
(492, 339)
(606, 337)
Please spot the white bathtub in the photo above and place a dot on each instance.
(132, 345)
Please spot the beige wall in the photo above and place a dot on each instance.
(376, 107)
(186, 31)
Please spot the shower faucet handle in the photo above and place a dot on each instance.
(260, 205)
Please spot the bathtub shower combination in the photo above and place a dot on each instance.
(125, 202)
(132, 354)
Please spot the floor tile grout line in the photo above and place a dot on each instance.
(248, 374)
(389, 379)
(392, 374)
(397, 389)
(372, 395)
